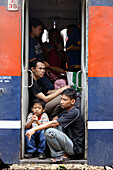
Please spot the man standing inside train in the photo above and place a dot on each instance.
(36, 28)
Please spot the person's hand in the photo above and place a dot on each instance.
(66, 87)
(29, 133)
(34, 118)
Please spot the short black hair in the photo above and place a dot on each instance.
(70, 92)
(71, 26)
(38, 101)
(35, 22)
(34, 62)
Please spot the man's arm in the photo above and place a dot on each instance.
(51, 96)
(49, 124)
(56, 117)
(74, 48)
(51, 91)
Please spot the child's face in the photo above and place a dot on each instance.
(37, 109)
(66, 102)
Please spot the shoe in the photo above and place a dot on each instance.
(28, 155)
(41, 156)
(59, 160)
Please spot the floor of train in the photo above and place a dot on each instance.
(48, 161)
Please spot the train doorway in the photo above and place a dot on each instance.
(61, 13)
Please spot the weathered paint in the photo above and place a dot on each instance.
(10, 145)
(100, 151)
(10, 105)
(100, 3)
(100, 81)
(10, 83)
(100, 99)
(100, 60)
(10, 42)
(10, 110)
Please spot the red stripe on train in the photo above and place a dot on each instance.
(10, 42)
(100, 61)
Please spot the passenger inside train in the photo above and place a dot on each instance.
(39, 89)
(36, 28)
(37, 145)
(56, 49)
(73, 47)
(69, 140)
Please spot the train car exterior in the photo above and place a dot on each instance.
(10, 81)
(100, 83)
(99, 33)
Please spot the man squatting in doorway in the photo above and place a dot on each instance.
(69, 141)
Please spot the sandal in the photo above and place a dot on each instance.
(58, 160)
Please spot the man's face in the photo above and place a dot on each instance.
(37, 109)
(66, 102)
(37, 31)
(39, 70)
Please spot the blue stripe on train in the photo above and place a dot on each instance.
(100, 147)
(5, 3)
(10, 109)
(100, 99)
(100, 2)
(10, 145)
(10, 97)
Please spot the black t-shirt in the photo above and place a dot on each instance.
(73, 127)
(38, 87)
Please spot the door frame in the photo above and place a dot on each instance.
(84, 66)
(25, 54)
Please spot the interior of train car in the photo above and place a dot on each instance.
(54, 14)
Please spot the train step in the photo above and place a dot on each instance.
(48, 161)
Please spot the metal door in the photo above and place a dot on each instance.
(100, 83)
(10, 83)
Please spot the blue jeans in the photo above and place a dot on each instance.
(58, 142)
(37, 142)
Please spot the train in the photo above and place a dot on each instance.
(96, 20)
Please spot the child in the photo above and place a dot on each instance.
(38, 141)
(69, 141)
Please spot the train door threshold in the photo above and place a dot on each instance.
(48, 161)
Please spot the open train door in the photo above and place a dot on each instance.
(100, 83)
